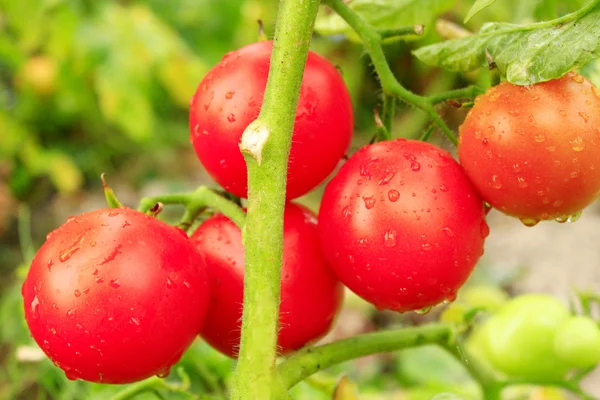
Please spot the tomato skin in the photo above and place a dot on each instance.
(115, 296)
(311, 295)
(402, 225)
(534, 152)
(577, 342)
(229, 98)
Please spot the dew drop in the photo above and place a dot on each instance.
(92, 243)
(577, 144)
(99, 280)
(522, 183)
(393, 195)
(72, 374)
(49, 264)
(35, 307)
(134, 321)
(113, 213)
(495, 183)
(386, 179)
(574, 217)
(229, 95)
(188, 285)
(562, 219)
(557, 203)
(347, 212)
(478, 134)
(491, 129)
(231, 118)
(71, 314)
(415, 166)
(551, 148)
(389, 238)
(125, 224)
(574, 174)
(529, 221)
(164, 373)
(211, 95)
(423, 310)
(427, 246)
(539, 138)
(449, 232)
(53, 331)
(514, 112)
(485, 229)
(114, 283)
(369, 202)
(68, 253)
(577, 78)
(443, 188)
(54, 306)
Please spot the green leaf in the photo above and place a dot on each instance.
(524, 54)
(478, 6)
(385, 14)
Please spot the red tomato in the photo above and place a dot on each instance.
(534, 152)
(229, 98)
(115, 296)
(402, 225)
(311, 295)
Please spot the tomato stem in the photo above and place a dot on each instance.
(109, 194)
(195, 203)
(372, 40)
(266, 144)
(311, 360)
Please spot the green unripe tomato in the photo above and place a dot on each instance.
(519, 339)
(487, 297)
(577, 342)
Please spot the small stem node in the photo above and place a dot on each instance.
(254, 139)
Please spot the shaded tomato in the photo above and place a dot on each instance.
(229, 98)
(401, 224)
(534, 152)
(311, 295)
(115, 296)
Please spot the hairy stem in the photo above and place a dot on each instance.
(266, 146)
(311, 360)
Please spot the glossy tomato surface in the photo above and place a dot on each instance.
(401, 225)
(115, 296)
(534, 152)
(229, 98)
(311, 295)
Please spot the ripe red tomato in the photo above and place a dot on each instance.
(229, 98)
(311, 295)
(402, 225)
(115, 296)
(534, 152)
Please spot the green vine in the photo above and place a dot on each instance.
(266, 145)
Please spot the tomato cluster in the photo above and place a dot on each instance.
(116, 295)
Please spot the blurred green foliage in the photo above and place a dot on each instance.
(91, 86)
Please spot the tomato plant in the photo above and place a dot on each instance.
(402, 225)
(311, 295)
(101, 295)
(230, 97)
(534, 152)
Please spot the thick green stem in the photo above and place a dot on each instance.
(310, 360)
(266, 146)
(468, 92)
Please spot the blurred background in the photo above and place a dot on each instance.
(103, 86)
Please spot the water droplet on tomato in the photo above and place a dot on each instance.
(134, 321)
(514, 112)
(114, 283)
(363, 242)
(54, 306)
(423, 310)
(53, 331)
(522, 183)
(584, 116)
(574, 217)
(35, 307)
(229, 95)
(557, 203)
(231, 118)
(113, 213)
(574, 174)
(71, 314)
(562, 219)
(164, 372)
(539, 138)
(386, 179)
(551, 148)
(577, 78)
(478, 134)
(393, 195)
(170, 283)
(389, 238)
(125, 224)
(415, 166)
(188, 285)
(72, 374)
(596, 92)
(68, 253)
(577, 144)
(347, 212)
(529, 221)
(209, 100)
(485, 229)
(99, 280)
(495, 183)
(427, 246)
(369, 202)
(449, 232)
(49, 264)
